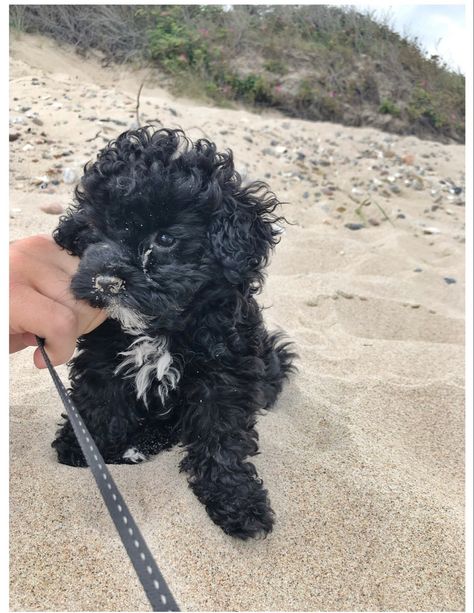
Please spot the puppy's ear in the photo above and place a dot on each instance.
(243, 232)
(73, 232)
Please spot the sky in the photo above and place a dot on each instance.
(441, 29)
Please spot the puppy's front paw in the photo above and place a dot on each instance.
(133, 456)
(69, 454)
(245, 518)
(242, 511)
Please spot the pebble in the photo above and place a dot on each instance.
(449, 280)
(354, 226)
(40, 180)
(69, 175)
(408, 159)
(431, 231)
(53, 209)
(347, 295)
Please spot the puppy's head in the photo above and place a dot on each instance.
(159, 219)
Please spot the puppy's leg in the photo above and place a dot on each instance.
(218, 429)
(150, 439)
(107, 407)
(109, 425)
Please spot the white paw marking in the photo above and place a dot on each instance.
(134, 455)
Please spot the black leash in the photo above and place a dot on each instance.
(145, 566)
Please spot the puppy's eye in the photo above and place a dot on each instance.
(165, 240)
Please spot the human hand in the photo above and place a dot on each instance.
(41, 302)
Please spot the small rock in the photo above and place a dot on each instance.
(40, 180)
(354, 226)
(373, 222)
(431, 231)
(37, 121)
(27, 147)
(449, 280)
(14, 136)
(53, 209)
(343, 294)
(418, 270)
(69, 175)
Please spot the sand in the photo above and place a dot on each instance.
(362, 456)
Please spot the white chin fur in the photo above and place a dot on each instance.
(131, 321)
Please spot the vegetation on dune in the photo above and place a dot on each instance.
(313, 62)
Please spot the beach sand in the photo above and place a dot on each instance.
(363, 454)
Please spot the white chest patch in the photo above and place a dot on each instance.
(148, 360)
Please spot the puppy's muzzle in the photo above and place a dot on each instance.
(108, 284)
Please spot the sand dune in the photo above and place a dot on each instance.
(363, 456)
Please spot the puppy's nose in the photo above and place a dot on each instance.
(108, 284)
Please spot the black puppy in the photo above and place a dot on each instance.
(173, 246)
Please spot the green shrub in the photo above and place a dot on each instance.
(276, 66)
(388, 107)
(422, 108)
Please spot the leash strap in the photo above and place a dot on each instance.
(145, 566)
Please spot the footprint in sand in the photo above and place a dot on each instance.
(382, 319)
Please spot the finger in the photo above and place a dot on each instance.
(44, 249)
(52, 282)
(48, 319)
(16, 343)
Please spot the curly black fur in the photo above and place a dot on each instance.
(173, 246)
